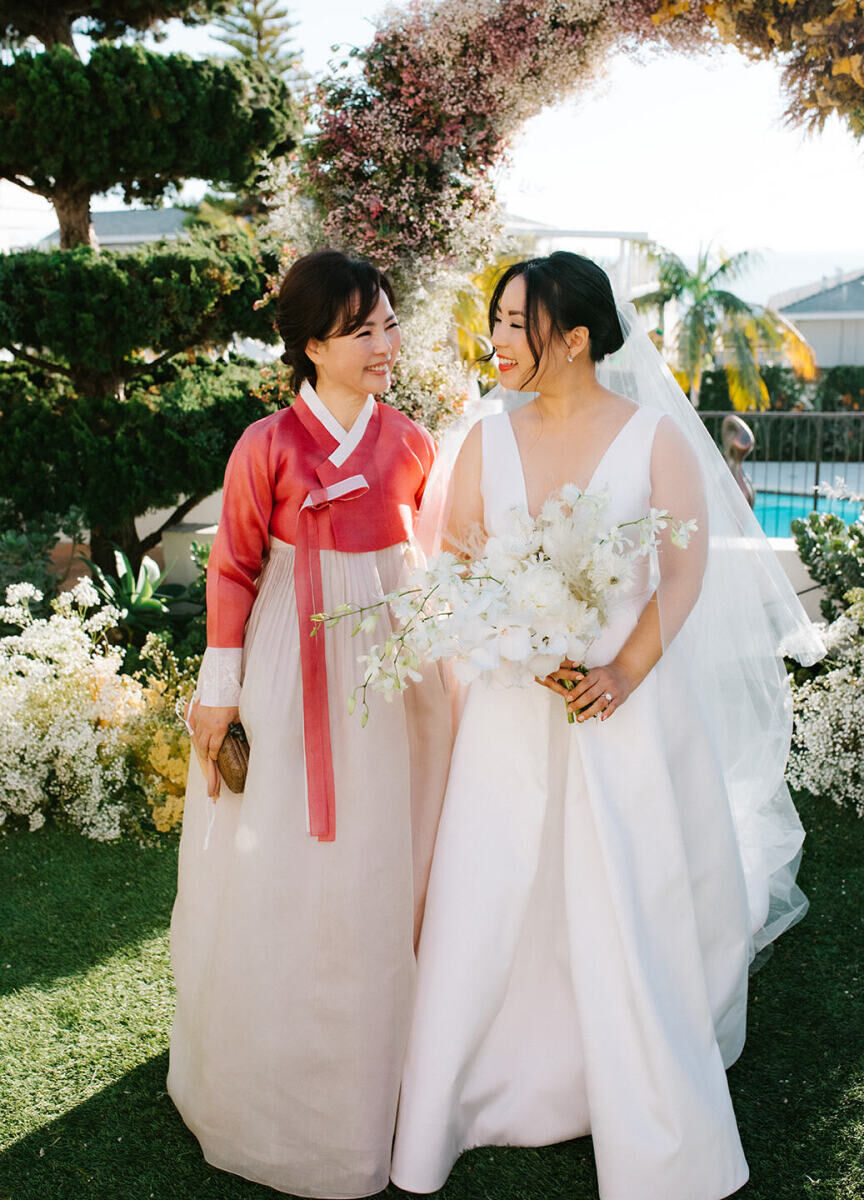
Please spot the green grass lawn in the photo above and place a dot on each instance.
(85, 1010)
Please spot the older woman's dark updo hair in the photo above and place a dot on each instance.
(572, 291)
(325, 294)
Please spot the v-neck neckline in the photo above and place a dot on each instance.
(347, 440)
(601, 460)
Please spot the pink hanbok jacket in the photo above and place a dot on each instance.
(299, 476)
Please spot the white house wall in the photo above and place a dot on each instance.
(836, 342)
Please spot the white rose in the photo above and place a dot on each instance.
(540, 589)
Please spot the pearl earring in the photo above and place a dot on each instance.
(569, 357)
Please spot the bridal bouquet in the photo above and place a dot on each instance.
(540, 593)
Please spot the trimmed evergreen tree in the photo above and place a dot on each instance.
(145, 121)
(106, 338)
(51, 21)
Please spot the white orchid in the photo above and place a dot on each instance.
(681, 533)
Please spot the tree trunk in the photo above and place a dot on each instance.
(72, 205)
(104, 540)
(55, 29)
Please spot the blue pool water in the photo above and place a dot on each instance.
(775, 513)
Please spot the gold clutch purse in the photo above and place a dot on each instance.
(233, 760)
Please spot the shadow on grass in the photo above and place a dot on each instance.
(125, 1143)
(798, 1089)
(128, 1143)
(799, 1086)
(67, 903)
(562, 1172)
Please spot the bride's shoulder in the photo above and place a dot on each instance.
(670, 445)
(473, 441)
(615, 402)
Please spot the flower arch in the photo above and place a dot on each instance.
(400, 168)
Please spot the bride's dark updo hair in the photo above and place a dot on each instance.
(572, 291)
(325, 294)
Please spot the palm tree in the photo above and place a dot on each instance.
(716, 323)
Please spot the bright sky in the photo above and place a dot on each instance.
(689, 150)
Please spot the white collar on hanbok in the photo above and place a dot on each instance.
(348, 439)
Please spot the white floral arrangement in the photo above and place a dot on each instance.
(827, 756)
(63, 704)
(540, 593)
(78, 738)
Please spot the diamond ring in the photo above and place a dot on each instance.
(608, 696)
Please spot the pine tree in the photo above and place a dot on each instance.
(136, 118)
(261, 30)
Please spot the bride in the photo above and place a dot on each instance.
(599, 890)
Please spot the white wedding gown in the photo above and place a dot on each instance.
(584, 959)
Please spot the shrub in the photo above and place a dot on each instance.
(833, 553)
(26, 548)
(169, 439)
(827, 755)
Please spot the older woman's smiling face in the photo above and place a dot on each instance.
(360, 362)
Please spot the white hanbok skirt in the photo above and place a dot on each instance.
(294, 959)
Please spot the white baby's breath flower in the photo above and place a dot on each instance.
(19, 593)
(84, 593)
(65, 715)
(102, 620)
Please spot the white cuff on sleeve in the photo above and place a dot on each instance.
(219, 679)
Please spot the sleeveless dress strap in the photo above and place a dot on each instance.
(634, 441)
(501, 482)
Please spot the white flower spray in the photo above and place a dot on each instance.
(540, 593)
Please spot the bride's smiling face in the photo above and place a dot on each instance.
(517, 368)
(512, 351)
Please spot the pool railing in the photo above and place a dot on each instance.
(795, 454)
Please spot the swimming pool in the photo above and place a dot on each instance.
(776, 511)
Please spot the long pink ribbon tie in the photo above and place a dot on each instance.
(320, 790)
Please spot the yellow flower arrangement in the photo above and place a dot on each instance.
(165, 770)
(161, 745)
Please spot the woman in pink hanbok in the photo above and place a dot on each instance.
(299, 901)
